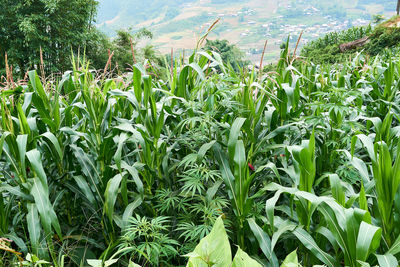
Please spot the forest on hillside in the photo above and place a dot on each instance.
(112, 154)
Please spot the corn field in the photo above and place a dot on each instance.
(204, 167)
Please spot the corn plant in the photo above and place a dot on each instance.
(152, 164)
(386, 175)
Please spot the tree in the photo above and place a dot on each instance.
(378, 18)
(56, 27)
(398, 7)
(230, 53)
(124, 42)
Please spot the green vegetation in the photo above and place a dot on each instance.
(45, 35)
(326, 49)
(55, 27)
(104, 169)
(246, 23)
(229, 53)
(195, 160)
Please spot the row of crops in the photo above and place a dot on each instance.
(294, 167)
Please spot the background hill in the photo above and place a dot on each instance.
(247, 23)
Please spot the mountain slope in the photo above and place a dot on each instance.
(247, 23)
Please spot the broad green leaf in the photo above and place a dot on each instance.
(203, 150)
(110, 195)
(264, 241)
(132, 264)
(270, 207)
(214, 249)
(241, 259)
(129, 210)
(22, 141)
(95, 263)
(337, 189)
(55, 144)
(36, 163)
(387, 260)
(32, 219)
(368, 240)
(84, 186)
(311, 245)
(285, 226)
(291, 260)
(121, 142)
(233, 136)
(46, 211)
(395, 248)
(2, 138)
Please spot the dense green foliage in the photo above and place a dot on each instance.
(229, 53)
(56, 27)
(100, 169)
(326, 49)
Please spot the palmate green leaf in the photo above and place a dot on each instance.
(264, 241)
(311, 245)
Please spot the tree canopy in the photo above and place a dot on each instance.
(230, 53)
(56, 27)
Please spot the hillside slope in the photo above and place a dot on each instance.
(247, 23)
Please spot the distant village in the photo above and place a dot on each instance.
(279, 28)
